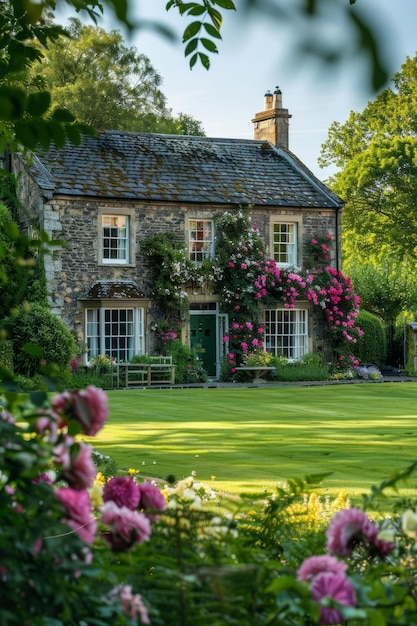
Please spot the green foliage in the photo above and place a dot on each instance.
(371, 347)
(169, 260)
(6, 354)
(309, 367)
(188, 368)
(410, 336)
(376, 150)
(106, 84)
(386, 288)
(40, 339)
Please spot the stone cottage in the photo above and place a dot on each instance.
(106, 196)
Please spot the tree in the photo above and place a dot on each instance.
(105, 84)
(26, 117)
(385, 289)
(377, 151)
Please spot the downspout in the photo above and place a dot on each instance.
(337, 237)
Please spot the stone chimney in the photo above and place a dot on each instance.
(272, 123)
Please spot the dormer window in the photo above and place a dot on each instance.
(201, 240)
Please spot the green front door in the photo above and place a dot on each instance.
(203, 340)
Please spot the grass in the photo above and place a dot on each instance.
(241, 439)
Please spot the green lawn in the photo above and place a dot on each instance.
(244, 439)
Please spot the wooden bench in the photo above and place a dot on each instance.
(256, 374)
(158, 371)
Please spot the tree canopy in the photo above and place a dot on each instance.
(26, 116)
(106, 84)
(377, 151)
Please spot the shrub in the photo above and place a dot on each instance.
(371, 347)
(188, 368)
(309, 367)
(6, 355)
(40, 339)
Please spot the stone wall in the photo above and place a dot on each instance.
(74, 267)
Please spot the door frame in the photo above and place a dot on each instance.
(222, 327)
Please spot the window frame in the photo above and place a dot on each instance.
(294, 260)
(298, 342)
(129, 215)
(209, 254)
(99, 318)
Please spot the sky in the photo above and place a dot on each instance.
(256, 55)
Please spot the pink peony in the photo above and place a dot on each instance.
(88, 406)
(151, 498)
(82, 471)
(78, 509)
(335, 586)
(123, 491)
(347, 529)
(126, 527)
(314, 565)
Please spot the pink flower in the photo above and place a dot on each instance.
(81, 472)
(314, 565)
(123, 491)
(88, 406)
(126, 527)
(151, 498)
(336, 586)
(7, 417)
(132, 605)
(79, 514)
(347, 529)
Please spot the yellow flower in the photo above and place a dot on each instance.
(100, 479)
(132, 472)
(409, 524)
(96, 495)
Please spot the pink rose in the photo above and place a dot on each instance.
(336, 586)
(79, 514)
(123, 491)
(82, 471)
(88, 406)
(126, 527)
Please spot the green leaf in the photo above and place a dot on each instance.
(193, 60)
(191, 46)
(211, 30)
(38, 103)
(285, 583)
(62, 115)
(209, 45)
(191, 30)
(205, 61)
(42, 134)
(33, 349)
(216, 18)
(197, 11)
(225, 4)
(38, 398)
(26, 135)
(73, 134)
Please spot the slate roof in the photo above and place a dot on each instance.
(113, 289)
(177, 168)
